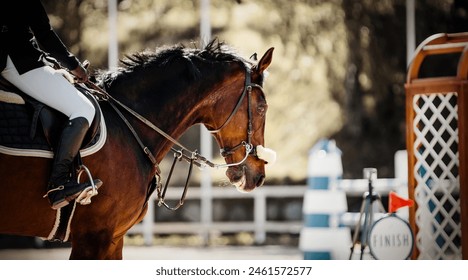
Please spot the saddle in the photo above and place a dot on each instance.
(27, 124)
(30, 128)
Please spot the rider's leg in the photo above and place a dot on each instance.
(52, 89)
(49, 87)
(61, 188)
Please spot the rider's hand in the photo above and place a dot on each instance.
(80, 73)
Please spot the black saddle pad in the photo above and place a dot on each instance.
(16, 128)
(35, 126)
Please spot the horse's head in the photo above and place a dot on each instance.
(240, 128)
(229, 101)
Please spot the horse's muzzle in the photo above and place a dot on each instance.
(244, 180)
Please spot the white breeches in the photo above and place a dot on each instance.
(49, 87)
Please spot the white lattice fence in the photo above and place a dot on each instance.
(436, 172)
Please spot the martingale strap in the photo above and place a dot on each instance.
(162, 192)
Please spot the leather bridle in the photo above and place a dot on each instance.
(249, 148)
(193, 157)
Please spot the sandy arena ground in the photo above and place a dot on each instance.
(169, 253)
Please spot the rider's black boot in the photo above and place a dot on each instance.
(62, 188)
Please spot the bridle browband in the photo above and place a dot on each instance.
(192, 157)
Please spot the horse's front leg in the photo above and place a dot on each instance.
(96, 246)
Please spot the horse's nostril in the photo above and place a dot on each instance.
(235, 173)
(260, 180)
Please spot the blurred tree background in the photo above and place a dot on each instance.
(338, 70)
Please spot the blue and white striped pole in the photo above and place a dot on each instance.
(322, 238)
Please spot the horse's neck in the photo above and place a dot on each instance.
(173, 112)
(173, 117)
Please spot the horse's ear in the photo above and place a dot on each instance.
(264, 62)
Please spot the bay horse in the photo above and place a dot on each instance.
(173, 88)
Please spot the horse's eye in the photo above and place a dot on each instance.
(261, 110)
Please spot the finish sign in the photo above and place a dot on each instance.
(391, 238)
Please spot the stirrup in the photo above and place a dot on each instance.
(67, 192)
(85, 196)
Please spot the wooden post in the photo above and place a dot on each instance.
(411, 163)
(463, 158)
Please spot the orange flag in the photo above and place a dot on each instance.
(395, 202)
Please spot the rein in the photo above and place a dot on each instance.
(192, 157)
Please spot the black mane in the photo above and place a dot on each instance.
(215, 51)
